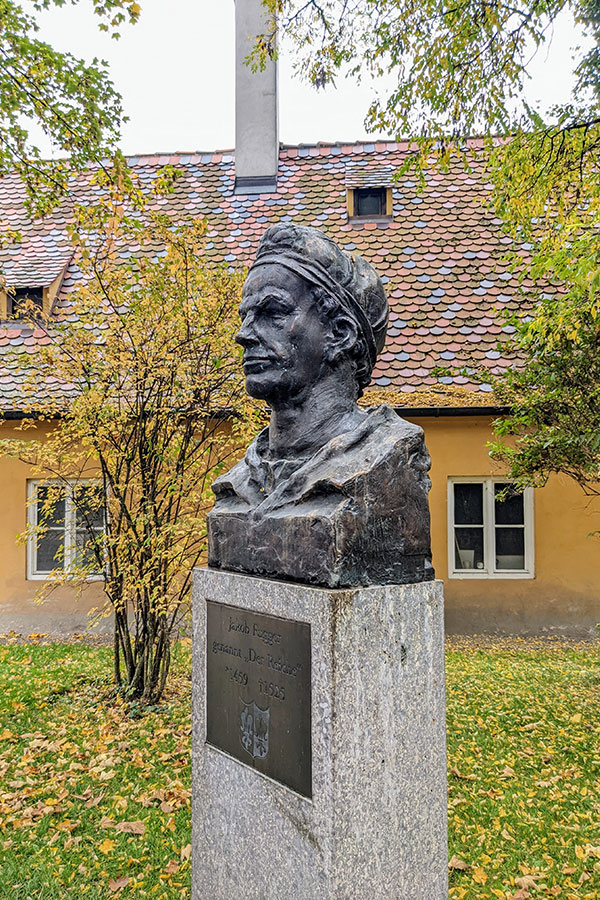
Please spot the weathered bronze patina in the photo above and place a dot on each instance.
(328, 494)
(258, 700)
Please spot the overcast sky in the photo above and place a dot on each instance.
(175, 72)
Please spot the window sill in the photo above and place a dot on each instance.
(20, 321)
(492, 576)
(361, 220)
(47, 577)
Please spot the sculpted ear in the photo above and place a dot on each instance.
(344, 335)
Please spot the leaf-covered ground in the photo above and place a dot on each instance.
(95, 798)
(524, 770)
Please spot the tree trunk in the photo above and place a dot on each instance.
(147, 665)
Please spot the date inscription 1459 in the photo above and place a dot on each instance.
(258, 679)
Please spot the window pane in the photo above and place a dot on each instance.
(54, 514)
(49, 553)
(84, 548)
(508, 511)
(468, 548)
(510, 548)
(468, 504)
(369, 202)
(88, 506)
(27, 302)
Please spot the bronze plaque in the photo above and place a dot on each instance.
(258, 683)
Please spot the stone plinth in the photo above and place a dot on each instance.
(375, 827)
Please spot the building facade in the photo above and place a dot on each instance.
(526, 565)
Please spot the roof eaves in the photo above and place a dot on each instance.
(439, 411)
(8, 415)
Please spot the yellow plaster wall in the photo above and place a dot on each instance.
(62, 611)
(564, 595)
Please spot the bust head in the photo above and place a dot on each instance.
(309, 310)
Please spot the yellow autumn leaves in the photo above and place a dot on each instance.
(524, 770)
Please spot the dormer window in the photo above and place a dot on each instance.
(369, 191)
(369, 203)
(35, 301)
(23, 303)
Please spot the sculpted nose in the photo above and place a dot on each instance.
(245, 335)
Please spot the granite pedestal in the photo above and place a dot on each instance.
(375, 825)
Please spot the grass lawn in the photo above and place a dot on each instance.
(95, 799)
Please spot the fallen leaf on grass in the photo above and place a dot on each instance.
(459, 864)
(507, 772)
(458, 774)
(71, 842)
(131, 827)
(172, 867)
(522, 894)
(186, 851)
(106, 846)
(479, 875)
(526, 881)
(115, 884)
(506, 835)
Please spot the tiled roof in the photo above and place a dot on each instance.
(43, 249)
(441, 257)
(365, 174)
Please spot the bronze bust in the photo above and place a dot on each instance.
(329, 494)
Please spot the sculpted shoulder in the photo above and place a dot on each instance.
(391, 435)
(398, 428)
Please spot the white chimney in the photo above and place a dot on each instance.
(256, 106)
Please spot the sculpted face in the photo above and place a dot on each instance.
(282, 335)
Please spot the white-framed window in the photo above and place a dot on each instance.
(490, 529)
(64, 520)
